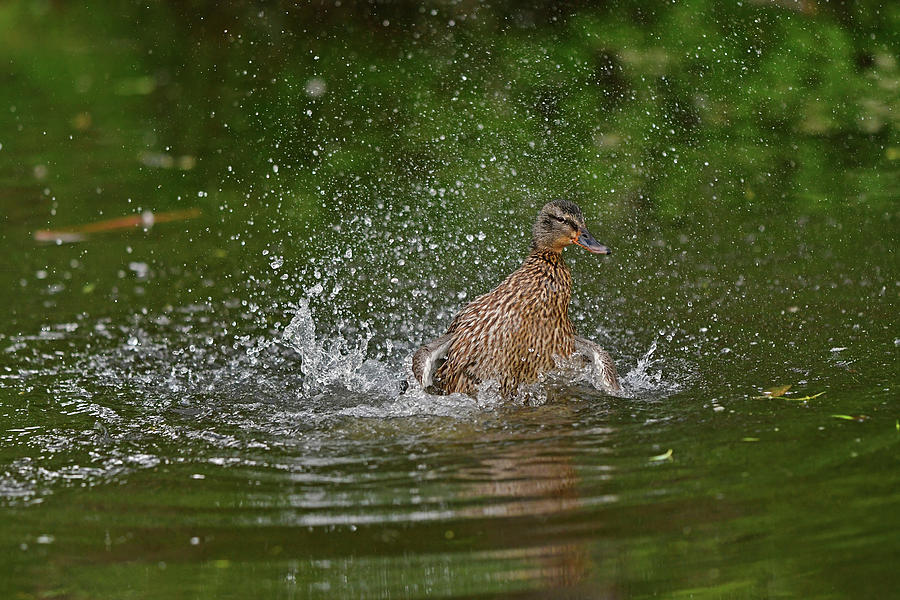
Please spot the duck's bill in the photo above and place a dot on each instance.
(587, 241)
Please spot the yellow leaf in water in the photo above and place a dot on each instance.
(661, 457)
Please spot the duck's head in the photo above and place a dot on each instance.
(560, 224)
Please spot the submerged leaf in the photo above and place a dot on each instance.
(857, 418)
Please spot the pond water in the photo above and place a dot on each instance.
(209, 407)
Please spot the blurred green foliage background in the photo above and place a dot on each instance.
(674, 106)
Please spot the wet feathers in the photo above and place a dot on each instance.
(514, 333)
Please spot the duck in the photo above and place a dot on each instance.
(519, 330)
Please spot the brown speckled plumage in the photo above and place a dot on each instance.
(512, 333)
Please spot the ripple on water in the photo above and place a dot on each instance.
(139, 400)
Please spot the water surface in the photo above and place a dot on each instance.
(210, 408)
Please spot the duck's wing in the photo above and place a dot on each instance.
(429, 358)
(602, 361)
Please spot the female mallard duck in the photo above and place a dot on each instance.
(512, 333)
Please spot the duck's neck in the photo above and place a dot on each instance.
(551, 279)
(549, 266)
(549, 256)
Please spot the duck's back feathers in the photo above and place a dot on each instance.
(510, 334)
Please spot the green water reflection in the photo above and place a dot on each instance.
(379, 165)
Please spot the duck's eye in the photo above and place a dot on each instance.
(560, 219)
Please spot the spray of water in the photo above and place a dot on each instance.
(328, 360)
(647, 376)
(340, 362)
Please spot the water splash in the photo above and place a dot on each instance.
(335, 363)
(325, 361)
(647, 375)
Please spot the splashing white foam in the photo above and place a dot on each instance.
(647, 375)
(328, 360)
(337, 361)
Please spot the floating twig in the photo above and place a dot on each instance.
(146, 219)
(805, 398)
